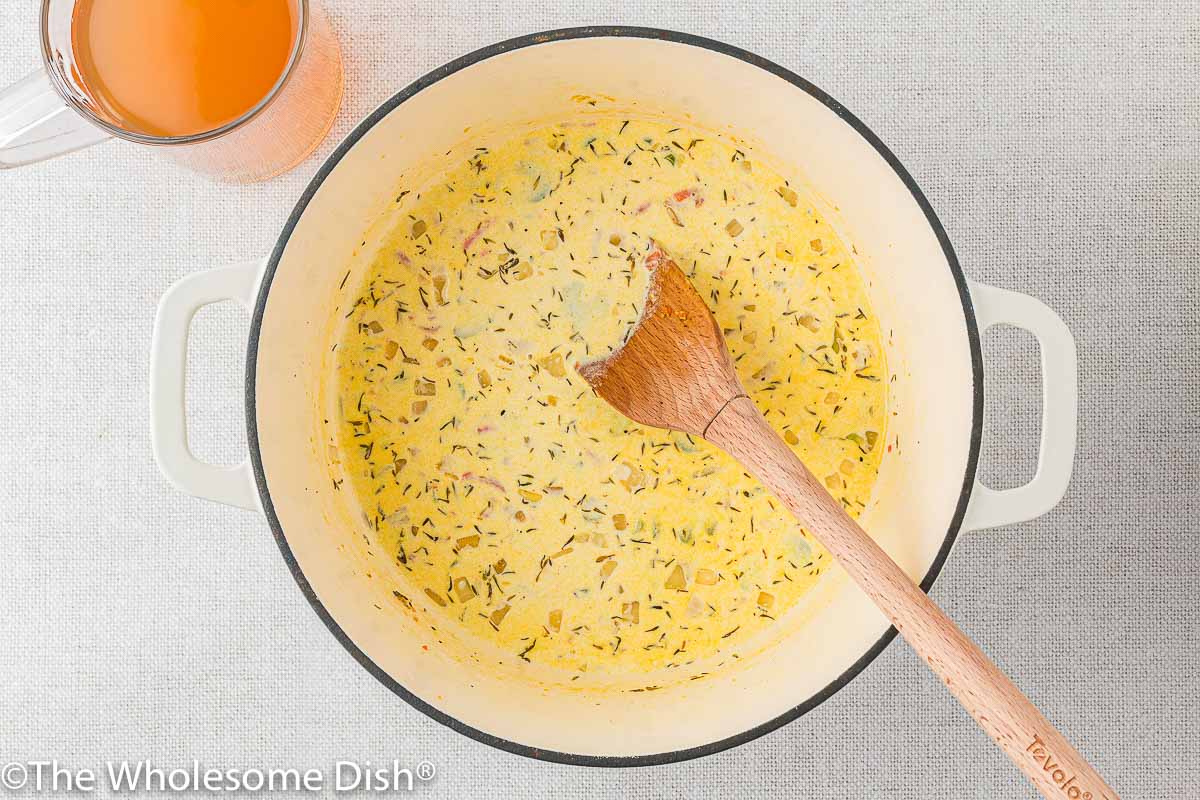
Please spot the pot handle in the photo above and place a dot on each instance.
(991, 508)
(232, 486)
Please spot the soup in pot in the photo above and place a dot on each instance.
(519, 509)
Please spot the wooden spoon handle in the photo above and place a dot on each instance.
(1040, 751)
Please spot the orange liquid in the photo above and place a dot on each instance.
(181, 67)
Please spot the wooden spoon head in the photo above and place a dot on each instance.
(674, 371)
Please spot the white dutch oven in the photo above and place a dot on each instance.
(926, 494)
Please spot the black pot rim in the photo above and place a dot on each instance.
(331, 163)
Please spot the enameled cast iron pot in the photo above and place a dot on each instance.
(927, 491)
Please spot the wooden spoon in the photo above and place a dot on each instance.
(675, 372)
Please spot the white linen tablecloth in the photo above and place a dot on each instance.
(1058, 142)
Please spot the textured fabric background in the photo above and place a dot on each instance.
(1059, 143)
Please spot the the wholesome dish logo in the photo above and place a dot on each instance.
(1037, 749)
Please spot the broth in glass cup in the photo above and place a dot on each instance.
(240, 90)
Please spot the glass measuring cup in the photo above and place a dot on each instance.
(50, 112)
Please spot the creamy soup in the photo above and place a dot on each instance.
(519, 509)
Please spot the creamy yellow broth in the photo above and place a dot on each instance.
(522, 511)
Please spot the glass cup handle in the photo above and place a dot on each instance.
(35, 123)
